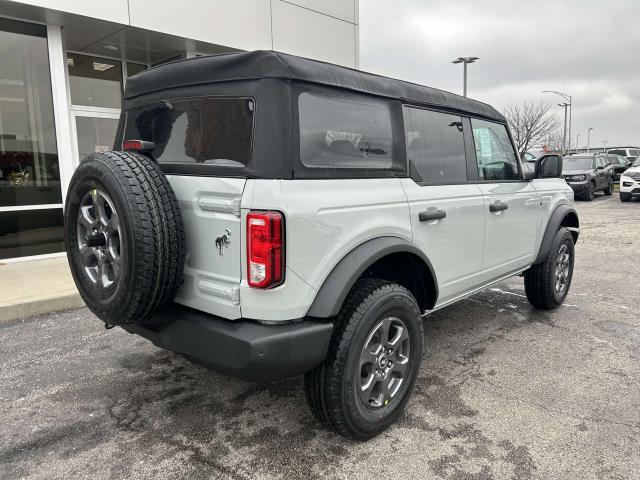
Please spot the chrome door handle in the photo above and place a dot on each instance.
(431, 215)
(498, 206)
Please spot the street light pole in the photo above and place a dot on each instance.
(577, 142)
(604, 145)
(564, 132)
(465, 61)
(570, 100)
(589, 139)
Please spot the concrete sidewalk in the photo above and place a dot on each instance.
(35, 287)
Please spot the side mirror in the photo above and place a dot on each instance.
(548, 166)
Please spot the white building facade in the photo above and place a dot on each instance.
(64, 65)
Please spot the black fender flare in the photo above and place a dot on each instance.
(555, 221)
(344, 275)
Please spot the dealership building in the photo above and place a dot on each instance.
(64, 64)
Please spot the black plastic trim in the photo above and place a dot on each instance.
(555, 221)
(344, 275)
(242, 348)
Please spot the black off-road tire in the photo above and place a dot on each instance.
(625, 197)
(540, 279)
(590, 193)
(329, 388)
(152, 245)
(608, 191)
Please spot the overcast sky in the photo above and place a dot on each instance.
(585, 48)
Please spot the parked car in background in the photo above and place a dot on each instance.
(619, 165)
(587, 174)
(630, 182)
(630, 153)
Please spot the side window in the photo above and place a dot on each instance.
(338, 132)
(435, 145)
(497, 159)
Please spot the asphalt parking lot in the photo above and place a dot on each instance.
(504, 392)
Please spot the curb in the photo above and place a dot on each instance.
(39, 307)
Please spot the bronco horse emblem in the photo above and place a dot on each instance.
(223, 241)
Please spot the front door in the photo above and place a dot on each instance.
(603, 172)
(446, 208)
(511, 204)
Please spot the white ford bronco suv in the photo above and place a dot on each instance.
(267, 216)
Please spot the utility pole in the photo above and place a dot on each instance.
(577, 142)
(589, 139)
(604, 145)
(465, 61)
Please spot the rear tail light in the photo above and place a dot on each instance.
(137, 145)
(265, 249)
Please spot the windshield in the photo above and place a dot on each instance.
(637, 162)
(578, 163)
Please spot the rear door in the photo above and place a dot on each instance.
(446, 208)
(511, 204)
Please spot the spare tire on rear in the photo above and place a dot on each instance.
(124, 236)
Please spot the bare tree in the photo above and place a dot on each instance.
(531, 124)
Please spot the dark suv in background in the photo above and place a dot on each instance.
(619, 165)
(587, 174)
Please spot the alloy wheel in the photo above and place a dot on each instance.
(99, 239)
(563, 265)
(384, 363)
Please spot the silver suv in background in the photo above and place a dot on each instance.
(268, 216)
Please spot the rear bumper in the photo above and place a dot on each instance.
(242, 348)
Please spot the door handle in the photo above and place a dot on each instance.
(498, 206)
(431, 215)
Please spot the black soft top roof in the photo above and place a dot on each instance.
(269, 64)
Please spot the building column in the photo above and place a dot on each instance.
(61, 104)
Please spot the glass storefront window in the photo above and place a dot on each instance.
(29, 170)
(95, 81)
(135, 68)
(95, 135)
(31, 232)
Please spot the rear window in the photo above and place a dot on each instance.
(208, 130)
(336, 132)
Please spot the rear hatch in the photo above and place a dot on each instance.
(186, 137)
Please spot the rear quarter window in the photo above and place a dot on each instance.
(337, 132)
(205, 130)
